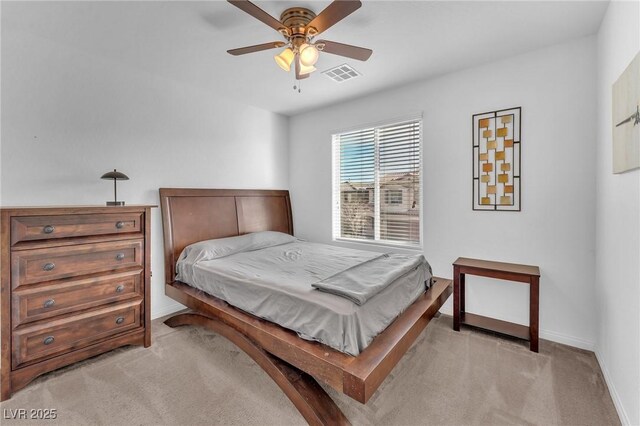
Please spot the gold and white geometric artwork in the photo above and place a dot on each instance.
(496, 160)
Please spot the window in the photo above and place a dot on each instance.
(377, 184)
(393, 196)
(355, 196)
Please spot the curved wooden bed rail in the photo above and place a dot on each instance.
(191, 215)
(305, 393)
(357, 377)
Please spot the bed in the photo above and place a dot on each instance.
(293, 362)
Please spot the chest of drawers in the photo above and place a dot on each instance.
(74, 283)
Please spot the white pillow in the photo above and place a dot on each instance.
(222, 247)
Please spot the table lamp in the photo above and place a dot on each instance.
(115, 175)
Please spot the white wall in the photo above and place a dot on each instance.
(555, 230)
(69, 116)
(617, 224)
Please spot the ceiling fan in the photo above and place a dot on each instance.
(300, 26)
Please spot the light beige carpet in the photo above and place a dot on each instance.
(191, 376)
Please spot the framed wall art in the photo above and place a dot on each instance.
(496, 160)
(626, 119)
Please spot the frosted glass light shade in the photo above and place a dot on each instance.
(306, 69)
(308, 54)
(285, 59)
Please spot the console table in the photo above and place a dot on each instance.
(505, 271)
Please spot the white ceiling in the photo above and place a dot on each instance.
(411, 40)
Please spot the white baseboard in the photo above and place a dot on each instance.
(546, 334)
(166, 310)
(624, 418)
(446, 310)
(567, 340)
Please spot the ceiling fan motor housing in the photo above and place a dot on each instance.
(296, 20)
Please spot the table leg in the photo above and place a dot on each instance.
(456, 298)
(534, 308)
(462, 296)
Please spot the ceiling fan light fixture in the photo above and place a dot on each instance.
(284, 59)
(299, 26)
(306, 69)
(308, 54)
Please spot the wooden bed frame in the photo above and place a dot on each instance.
(191, 215)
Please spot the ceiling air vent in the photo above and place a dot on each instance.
(341, 73)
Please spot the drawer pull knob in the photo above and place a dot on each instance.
(49, 303)
(120, 289)
(48, 229)
(49, 266)
(119, 320)
(119, 256)
(48, 340)
(119, 224)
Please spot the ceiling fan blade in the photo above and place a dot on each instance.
(355, 52)
(259, 14)
(332, 14)
(256, 48)
(298, 75)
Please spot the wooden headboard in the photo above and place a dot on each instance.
(192, 215)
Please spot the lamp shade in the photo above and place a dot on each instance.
(114, 175)
(304, 69)
(308, 55)
(284, 59)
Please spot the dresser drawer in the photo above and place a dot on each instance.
(32, 303)
(30, 228)
(48, 264)
(45, 340)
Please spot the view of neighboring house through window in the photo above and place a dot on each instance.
(377, 184)
(393, 196)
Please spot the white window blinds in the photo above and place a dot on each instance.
(377, 184)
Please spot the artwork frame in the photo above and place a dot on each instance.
(625, 112)
(497, 144)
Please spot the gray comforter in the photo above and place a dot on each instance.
(274, 281)
(364, 280)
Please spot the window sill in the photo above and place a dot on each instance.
(378, 244)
